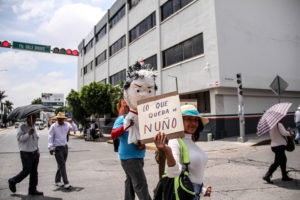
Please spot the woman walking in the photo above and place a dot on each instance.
(193, 124)
(278, 146)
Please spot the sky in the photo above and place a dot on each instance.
(24, 75)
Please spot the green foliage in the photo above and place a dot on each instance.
(37, 101)
(95, 98)
(75, 106)
(60, 109)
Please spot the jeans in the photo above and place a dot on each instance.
(30, 163)
(61, 155)
(135, 179)
(197, 190)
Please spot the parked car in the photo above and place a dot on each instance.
(39, 125)
(18, 124)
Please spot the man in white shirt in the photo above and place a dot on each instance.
(29, 150)
(297, 121)
(57, 143)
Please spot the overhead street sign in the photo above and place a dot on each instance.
(278, 85)
(31, 47)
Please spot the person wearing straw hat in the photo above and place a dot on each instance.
(57, 144)
(29, 151)
(297, 121)
(193, 124)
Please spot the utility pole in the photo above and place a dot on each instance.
(241, 113)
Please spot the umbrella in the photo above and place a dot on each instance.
(271, 117)
(25, 111)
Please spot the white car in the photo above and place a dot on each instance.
(39, 125)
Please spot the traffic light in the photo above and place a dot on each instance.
(239, 82)
(65, 52)
(5, 44)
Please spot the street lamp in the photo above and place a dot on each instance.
(175, 81)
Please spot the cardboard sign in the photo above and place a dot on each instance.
(160, 114)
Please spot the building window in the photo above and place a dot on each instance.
(101, 58)
(117, 17)
(152, 61)
(142, 27)
(133, 3)
(203, 100)
(88, 46)
(184, 50)
(101, 33)
(116, 78)
(119, 44)
(88, 68)
(171, 7)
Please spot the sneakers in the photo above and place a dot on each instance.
(59, 184)
(67, 186)
(12, 186)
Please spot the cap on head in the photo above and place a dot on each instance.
(190, 110)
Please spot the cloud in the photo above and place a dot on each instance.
(33, 9)
(69, 25)
(18, 60)
(53, 82)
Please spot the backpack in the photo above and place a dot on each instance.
(179, 187)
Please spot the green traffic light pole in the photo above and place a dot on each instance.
(241, 112)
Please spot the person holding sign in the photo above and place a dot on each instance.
(140, 84)
(193, 124)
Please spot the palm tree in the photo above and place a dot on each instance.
(2, 96)
(9, 105)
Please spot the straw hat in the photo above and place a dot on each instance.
(61, 115)
(190, 110)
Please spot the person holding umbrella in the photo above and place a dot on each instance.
(57, 144)
(271, 121)
(29, 151)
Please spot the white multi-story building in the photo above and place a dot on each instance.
(198, 46)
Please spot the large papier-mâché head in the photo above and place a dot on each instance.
(140, 84)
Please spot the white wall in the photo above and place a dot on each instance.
(198, 17)
(260, 39)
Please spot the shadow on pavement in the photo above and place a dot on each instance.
(30, 197)
(72, 189)
(291, 185)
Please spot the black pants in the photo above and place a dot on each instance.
(30, 161)
(61, 155)
(280, 160)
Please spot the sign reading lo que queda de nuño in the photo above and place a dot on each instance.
(160, 114)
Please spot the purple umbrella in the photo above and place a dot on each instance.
(271, 117)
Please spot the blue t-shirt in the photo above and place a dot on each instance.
(127, 151)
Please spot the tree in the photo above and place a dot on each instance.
(37, 101)
(93, 98)
(60, 109)
(2, 95)
(75, 106)
(8, 105)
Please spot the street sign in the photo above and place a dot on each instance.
(278, 85)
(31, 47)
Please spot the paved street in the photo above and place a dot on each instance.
(234, 171)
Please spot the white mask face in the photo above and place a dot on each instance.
(139, 89)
